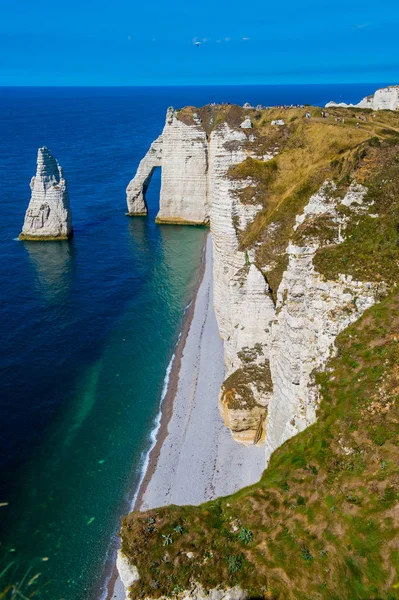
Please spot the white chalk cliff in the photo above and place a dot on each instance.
(383, 99)
(272, 350)
(48, 216)
(196, 189)
(311, 311)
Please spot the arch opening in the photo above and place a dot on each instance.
(152, 191)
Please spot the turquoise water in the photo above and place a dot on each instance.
(80, 478)
(89, 326)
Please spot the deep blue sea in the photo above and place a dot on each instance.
(88, 327)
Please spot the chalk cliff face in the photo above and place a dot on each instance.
(383, 99)
(128, 573)
(270, 351)
(243, 304)
(196, 188)
(48, 216)
(311, 311)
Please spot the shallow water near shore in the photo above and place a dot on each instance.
(89, 326)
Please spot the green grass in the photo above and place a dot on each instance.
(370, 251)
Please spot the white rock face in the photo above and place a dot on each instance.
(243, 305)
(311, 311)
(283, 344)
(138, 186)
(182, 153)
(128, 573)
(383, 99)
(49, 214)
(197, 592)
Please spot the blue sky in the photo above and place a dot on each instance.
(125, 42)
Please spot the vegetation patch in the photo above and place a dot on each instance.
(238, 387)
(213, 116)
(322, 229)
(370, 251)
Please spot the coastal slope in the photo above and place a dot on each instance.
(304, 219)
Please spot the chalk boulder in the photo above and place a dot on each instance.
(247, 123)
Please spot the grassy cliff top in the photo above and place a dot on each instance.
(349, 144)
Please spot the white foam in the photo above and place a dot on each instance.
(145, 458)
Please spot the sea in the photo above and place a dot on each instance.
(89, 326)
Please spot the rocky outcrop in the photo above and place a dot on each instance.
(48, 216)
(182, 153)
(383, 99)
(247, 123)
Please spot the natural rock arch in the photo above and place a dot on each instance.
(182, 152)
(138, 186)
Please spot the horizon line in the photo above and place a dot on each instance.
(4, 86)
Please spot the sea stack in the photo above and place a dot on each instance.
(48, 216)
